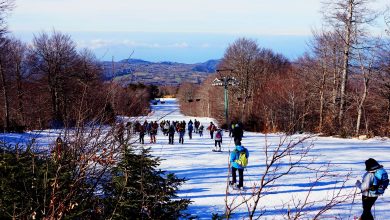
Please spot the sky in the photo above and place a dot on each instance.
(187, 31)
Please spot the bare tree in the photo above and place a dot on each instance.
(18, 58)
(348, 19)
(282, 161)
(242, 57)
(367, 62)
(5, 7)
(328, 55)
(54, 57)
(4, 64)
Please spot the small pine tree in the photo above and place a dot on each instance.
(34, 185)
(140, 190)
(24, 185)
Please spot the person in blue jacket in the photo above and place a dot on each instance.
(234, 156)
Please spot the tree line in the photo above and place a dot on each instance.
(51, 83)
(340, 86)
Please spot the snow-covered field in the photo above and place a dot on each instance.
(207, 171)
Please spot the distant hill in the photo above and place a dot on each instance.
(161, 73)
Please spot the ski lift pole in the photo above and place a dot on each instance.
(226, 101)
(225, 81)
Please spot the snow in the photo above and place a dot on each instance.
(207, 172)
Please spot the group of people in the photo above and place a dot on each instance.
(168, 128)
(149, 128)
(238, 157)
(235, 131)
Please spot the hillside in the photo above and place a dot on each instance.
(162, 73)
(207, 172)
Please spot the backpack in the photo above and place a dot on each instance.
(218, 135)
(242, 159)
(381, 182)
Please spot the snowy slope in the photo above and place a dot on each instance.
(207, 171)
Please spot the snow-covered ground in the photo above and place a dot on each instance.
(207, 171)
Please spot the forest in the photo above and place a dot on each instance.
(340, 86)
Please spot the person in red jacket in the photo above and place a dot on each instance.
(211, 128)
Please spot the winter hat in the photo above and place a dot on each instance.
(237, 142)
(371, 164)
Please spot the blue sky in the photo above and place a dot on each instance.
(171, 30)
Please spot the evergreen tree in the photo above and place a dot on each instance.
(24, 184)
(139, 190)
(60, 186)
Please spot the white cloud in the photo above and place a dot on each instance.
(95, 43)
(179, 45)
(99, 43)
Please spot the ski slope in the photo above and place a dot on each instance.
(206, 171)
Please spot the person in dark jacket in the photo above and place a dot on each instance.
(196, 123)
(171, 133)
(190, 129)
(234, 156)
(201, 127)
(368, 196)
(182, 131)
(142, 130)
(238, 132)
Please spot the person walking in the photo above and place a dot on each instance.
(166, 128)
(211, 128)
(369, 186)
(142, 133)
(153, 132)
(190, 129)
(120, 132)
(182, 131)
(231, 128)
(238, 132)
(129, 129)
(196, 126)
(171, 133)
(218, 140)
(201, 127)
(238, 161)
